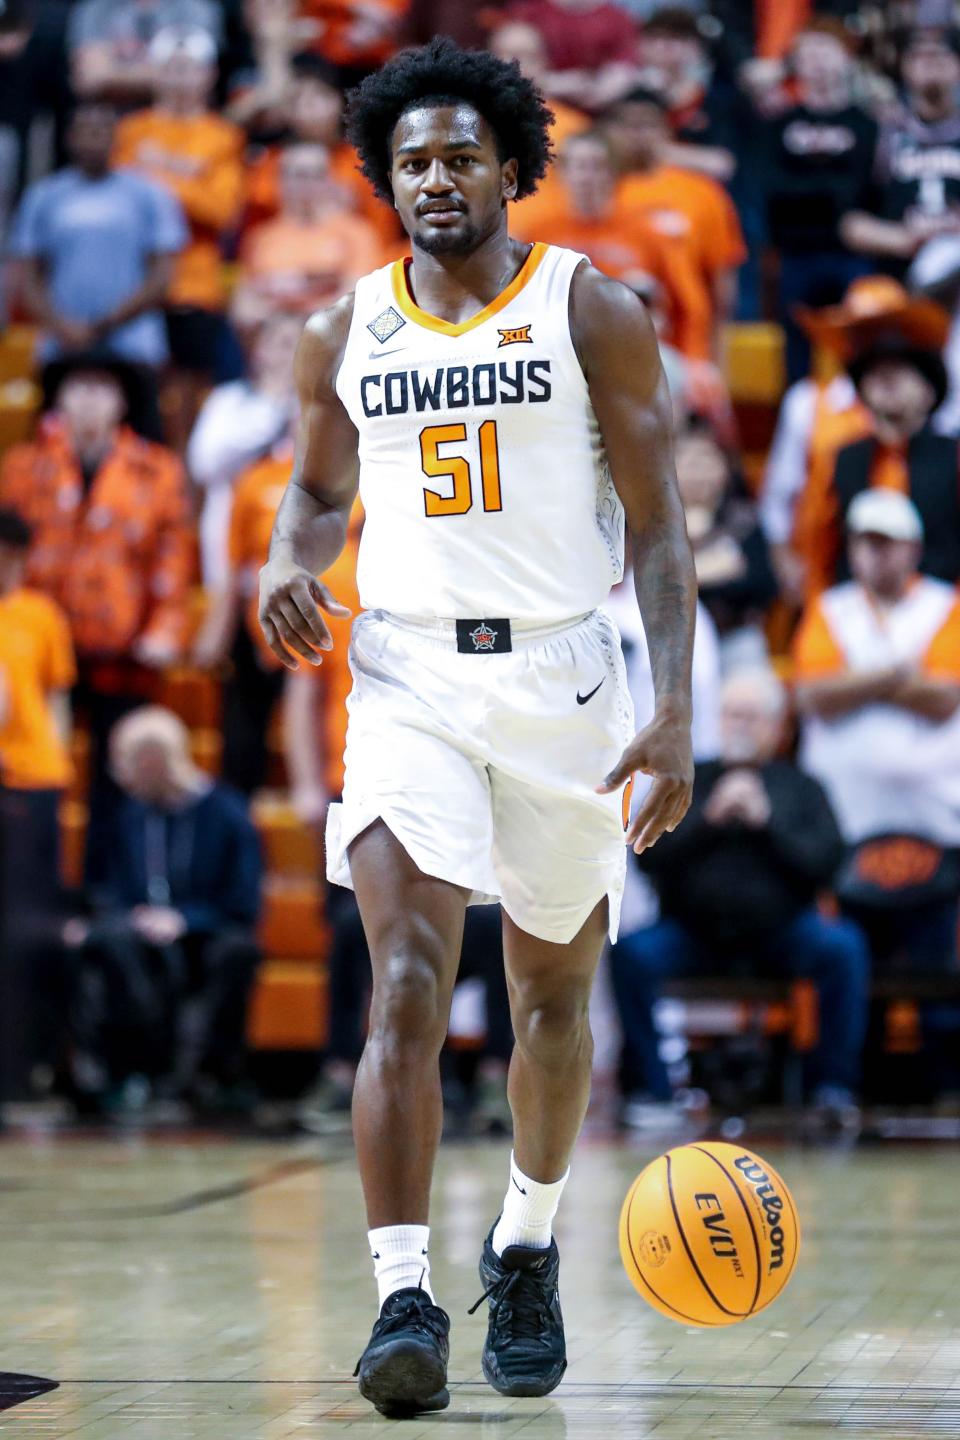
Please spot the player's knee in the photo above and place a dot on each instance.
(406, 1006)
(553, 1028)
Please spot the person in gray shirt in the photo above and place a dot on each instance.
(95, 248)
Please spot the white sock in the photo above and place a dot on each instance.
(528, 1211)
(400, 1258)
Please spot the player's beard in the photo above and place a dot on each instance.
(462, 241)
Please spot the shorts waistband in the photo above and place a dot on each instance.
(449, 632)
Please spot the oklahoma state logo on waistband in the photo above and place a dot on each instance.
(519, 336)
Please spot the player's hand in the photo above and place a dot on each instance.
(664, 751)
(290, 603)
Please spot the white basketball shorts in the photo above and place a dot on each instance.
(484, 765)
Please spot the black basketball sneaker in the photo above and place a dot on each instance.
(403, 1370)
(525, 1352)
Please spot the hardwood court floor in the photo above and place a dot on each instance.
(199, 1289)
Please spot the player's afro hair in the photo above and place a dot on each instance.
(442, 73)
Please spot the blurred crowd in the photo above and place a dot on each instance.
(175, 198)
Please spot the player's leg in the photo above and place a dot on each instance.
(560, 862)
(413, 838)
(549, 1082)
(549, 1087)
(414, 926)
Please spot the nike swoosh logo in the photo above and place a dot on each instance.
(520, 1187)
(376, 1255)
(375, 354)
(582, 699)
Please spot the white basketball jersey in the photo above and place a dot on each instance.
(482, 473)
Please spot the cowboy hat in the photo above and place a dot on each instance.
(875, 306)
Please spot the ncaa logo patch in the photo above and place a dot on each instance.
(483, 637)
(387, 323)
(519, 335)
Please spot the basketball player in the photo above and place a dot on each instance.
(505, 409)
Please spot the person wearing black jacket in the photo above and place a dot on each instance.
(737, 883)
(819, 151)
(175, 919)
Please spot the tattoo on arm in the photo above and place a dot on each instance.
(307, 530)
(618, 350)
(311, 524)
(667, 604)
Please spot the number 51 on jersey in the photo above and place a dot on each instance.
(458, 468)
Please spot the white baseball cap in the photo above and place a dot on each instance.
(880, 511)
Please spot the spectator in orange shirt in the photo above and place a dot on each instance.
(692, 211)
(231, 634)
(315, 249)
(36, 672)
(621, 245)
(310, 109)
(37, 669)
(232, 631)
(114, 547)
(198, 156)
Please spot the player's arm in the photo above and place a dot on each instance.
(311, 524)
(618, 350)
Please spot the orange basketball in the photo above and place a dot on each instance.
(709, 1234)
